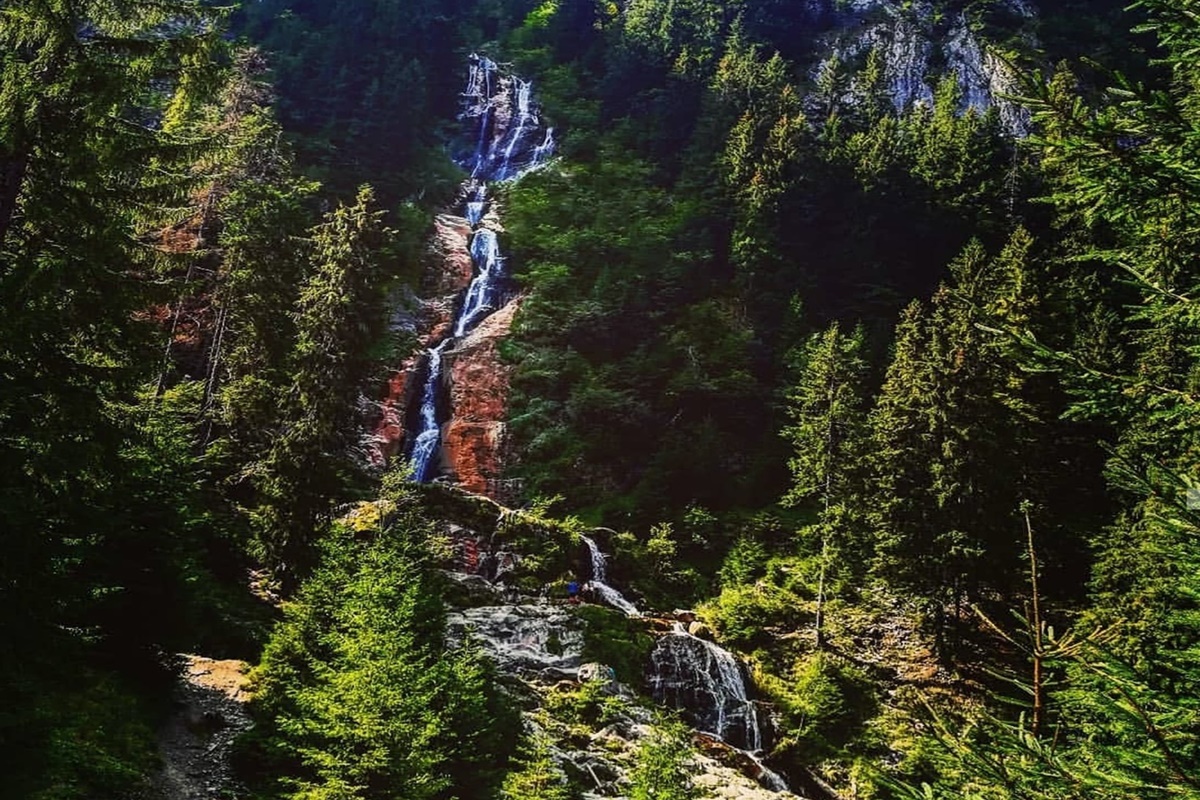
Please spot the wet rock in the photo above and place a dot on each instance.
(387, 439)
(595, 672)
(700, 630)
(468, 590)
(450, 255)
(705, 682)
(522, 639)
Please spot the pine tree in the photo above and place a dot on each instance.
(952, 430)
(260, 223)
(96, 557)
(537, 777)
(339, 319)
(827, 434)
(359, 695)
(662, 771)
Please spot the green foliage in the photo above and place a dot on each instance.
(662, 770)
(828, 435)
(359, 696)
(748, 616)
(825, 702)
(106, 527)
(537, 778)
(951, 430)
(745, 563)
(613, 639)
(589, 705)
(339, 316)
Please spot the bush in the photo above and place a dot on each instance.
(663, 770)
(825, 704)
(743, 615)
(611, 638)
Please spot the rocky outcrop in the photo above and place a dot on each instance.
(525, 640)
(449, 255)
(473, 441)
(918, 46)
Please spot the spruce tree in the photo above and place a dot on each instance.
(827, 434)
(96, 544)
(952, 429)
(339, 320)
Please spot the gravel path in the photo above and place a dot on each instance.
(195, 742)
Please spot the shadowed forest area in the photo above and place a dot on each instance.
(834, 396)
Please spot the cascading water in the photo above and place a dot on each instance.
(476, 204)
(694, 675)
(705, 682)
(523, 119)
(425, 446)
(599, 584)
(502, 151)
(485, 289)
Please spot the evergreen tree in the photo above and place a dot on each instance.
(98, 546)
(827, 434)
(662, 771)
(260, 218)
(952, 430)
(339, 319)
(537, 777)
(359, 696)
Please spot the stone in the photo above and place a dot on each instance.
(450, 255)
(522, 639)
(473, 441)
(700, 630)
(595, 672)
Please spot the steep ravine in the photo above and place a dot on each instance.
(445, 406)
(445, 413)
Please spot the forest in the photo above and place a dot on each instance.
(830, 426)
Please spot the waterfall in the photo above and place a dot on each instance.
(476, 205)
(493, 101)
(599, 581)
(523, 119)
(485, 288)
(425, 446)
(545, 149)
(767, 776)
(705, 681)
(490, 102)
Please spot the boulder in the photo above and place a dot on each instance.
(595, 672)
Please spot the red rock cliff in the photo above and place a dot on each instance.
(473, 441)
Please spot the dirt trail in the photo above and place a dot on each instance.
(195, 743)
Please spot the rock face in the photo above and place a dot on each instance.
(473, 441)
(445, 408)
(523, 639)
(706, 684)
(450, 255)
(918, 46)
